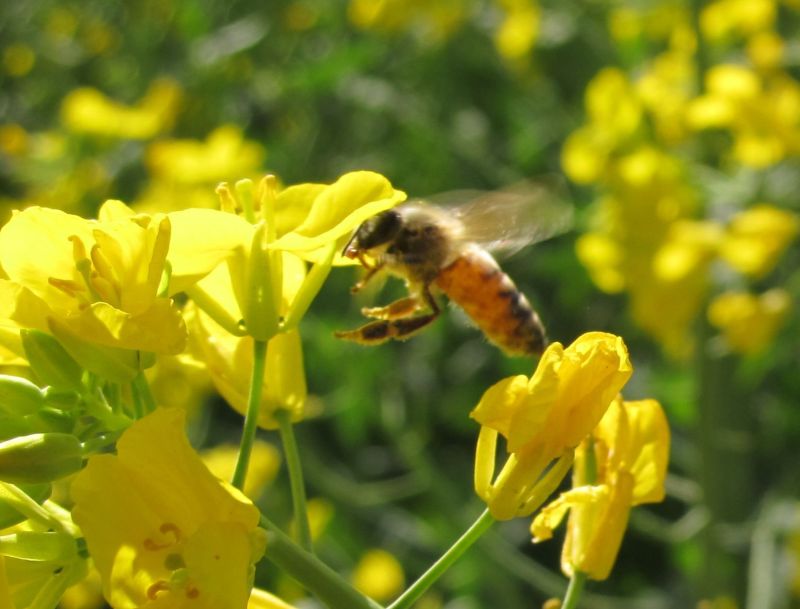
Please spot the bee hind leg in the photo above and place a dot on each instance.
(394, 320)
(383, 330)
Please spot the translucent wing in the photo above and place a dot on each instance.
(505, 221)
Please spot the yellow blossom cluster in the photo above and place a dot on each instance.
(515, 23)
(570, 413)
(648, 236)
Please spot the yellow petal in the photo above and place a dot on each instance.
(339, 209)
(201, 240)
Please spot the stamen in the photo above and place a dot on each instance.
(69, 287)
(159, 586)
(168, 527)
(227, 202)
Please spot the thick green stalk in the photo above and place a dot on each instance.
(296, 482)
(314, 575)
(426, 580)
(251, 417)
(725, 437)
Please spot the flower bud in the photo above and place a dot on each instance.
(18, 396)
(39, 457)
(51, 363)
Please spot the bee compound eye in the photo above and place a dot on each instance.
(379, 230)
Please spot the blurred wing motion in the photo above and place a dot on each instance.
(505, 221)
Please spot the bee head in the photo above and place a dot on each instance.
(374, 232)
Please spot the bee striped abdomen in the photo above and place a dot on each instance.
(476, 283)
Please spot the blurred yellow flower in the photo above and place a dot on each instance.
(160, 527)
(544, 418)
(379, 575)
(517, 32)
(18, 59)
(13, 139)
(736, 17)
(748, 322)
(614, 114)
(765, 50)
(224, 155)
(96, 280)
(763, 115)
(757, 237)
(688, 249)
(629, 450)
(434, 21)
(265, 460)
(89, 111)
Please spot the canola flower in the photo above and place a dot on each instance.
(95, 284)
(161, 529)
(543, 418)
(89, 111)
(622, 464)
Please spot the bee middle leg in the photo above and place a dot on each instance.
(395, 310)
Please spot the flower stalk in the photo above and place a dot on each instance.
(296, 482)
(426, 580)
(251, 417)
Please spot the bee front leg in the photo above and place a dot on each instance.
(371, 272)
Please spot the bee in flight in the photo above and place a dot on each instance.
(437, 248)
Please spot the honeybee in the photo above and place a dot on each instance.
(446, 249)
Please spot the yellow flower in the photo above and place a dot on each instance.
(765, 50)
(630, 451)
(261, 599)
(763, 115)
(96, 281)
(87, 110)
(757, 237)
(311, 216)
(614, 114)
(434, 20)
(517, 33)
(749, 322)
(725, 17)
(223, 155)
(544, 418)
(379, 575)
(265, 460)
(161, 529)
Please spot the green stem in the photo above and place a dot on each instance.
(141, 389)
(295, 478)
(574, 590)
(322, 581)
(426, 580)
(22, 503)
(251, 417)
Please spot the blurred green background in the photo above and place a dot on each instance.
(677, 126)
